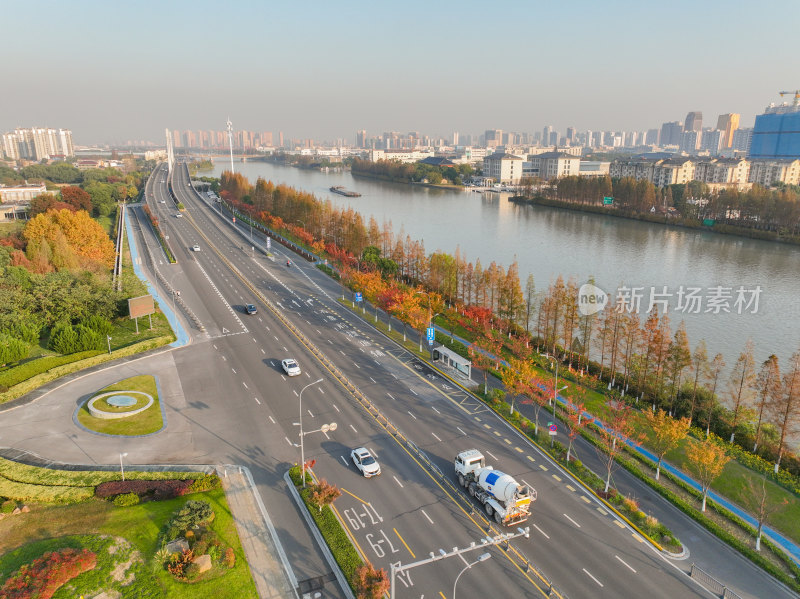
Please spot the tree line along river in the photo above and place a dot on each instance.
(727, 289)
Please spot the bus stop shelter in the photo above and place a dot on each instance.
(452, 360)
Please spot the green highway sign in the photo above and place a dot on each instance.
(608, 201)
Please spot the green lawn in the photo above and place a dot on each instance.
(143, 423)
(24, 537)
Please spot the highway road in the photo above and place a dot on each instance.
(410, 510)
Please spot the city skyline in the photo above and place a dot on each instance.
(326, 71)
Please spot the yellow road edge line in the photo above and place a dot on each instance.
(355, 496)
(442, 595)
(403, 541)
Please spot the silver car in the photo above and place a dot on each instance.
(290, 367)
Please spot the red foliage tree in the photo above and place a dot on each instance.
(76, 197)
(45, 575)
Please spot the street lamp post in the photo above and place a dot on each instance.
(121, 467)
(481, 558)
(302, 449)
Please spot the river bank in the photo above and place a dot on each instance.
(661, 219)
(406, 182)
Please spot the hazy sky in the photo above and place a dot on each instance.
(113, 71)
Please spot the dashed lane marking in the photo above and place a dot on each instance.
(626, 564)
(397, 481)
(571, 520)
(544, 534)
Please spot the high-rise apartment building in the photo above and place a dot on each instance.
(741, 140)
(694, 121)
(728, 123)
(671, 133)
(361, 138)
(37, 144)
(493, 138)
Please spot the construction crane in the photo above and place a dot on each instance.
(796, 96)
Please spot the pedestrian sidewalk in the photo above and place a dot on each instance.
(269, 566)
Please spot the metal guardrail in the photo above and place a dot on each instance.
(165, 283)
(712, 584)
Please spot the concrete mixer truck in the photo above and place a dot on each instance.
(503, 498)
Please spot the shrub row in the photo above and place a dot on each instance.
(157, 489)
(24, 473)
(12, 349)
(68, 339)
(42, 371)
(206, 482)
(45, 575)
(28, 492)
(339, 543)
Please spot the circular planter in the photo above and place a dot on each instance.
(123, 398)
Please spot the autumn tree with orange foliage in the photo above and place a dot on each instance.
(83, 236)
(370, 583)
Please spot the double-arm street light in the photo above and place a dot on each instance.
(302, 449)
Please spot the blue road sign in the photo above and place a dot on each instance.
(358, 296)
(552, 428)
(431, 334)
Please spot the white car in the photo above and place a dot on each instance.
(290, 367)
(179, 215)
(195, 248)
(364, 461)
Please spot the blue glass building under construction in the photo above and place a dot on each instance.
(776, 134)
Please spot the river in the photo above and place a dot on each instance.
(551, 241)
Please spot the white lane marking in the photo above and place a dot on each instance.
(321, 391)
(436, 437)
(254, 340)
(412, 415)
(234, 372)
(435, 410)
(354, 429)
(624, 562)
(341, 352)
(263, 352)
(272, 362)
(258, 402)
(592, 577)
(394, 375)
(318, 331)
(376, 361)
(571, 520)
(491, 455)
(412, 391)
(295, 393)
(544, 534)
(461, 431)
(356, 365)
(372, 451)
(397, 481)
(271, 419)
(373, 380)
(215, 347)
(429, 518)
(245, 385)
(276, 338)
(287, 440)
(224, 359)
(329, 341)
(390, 396)
(284, 348)
(310, 414)
(346, 463)
(335, 408)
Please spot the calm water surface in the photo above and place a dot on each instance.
(550, 241)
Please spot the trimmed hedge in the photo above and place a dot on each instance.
(126, 499)
(335, 536)
(44, 372)
(20, 373)
(24, 473)
(206, 482)
(157, 489)
(28, 492)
